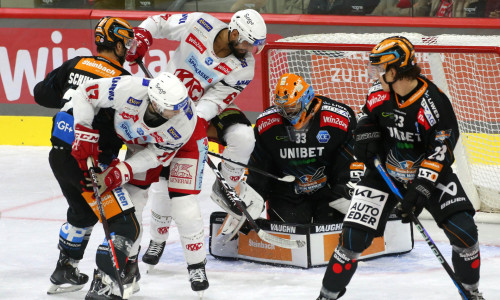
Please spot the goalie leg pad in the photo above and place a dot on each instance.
(187, 216)
(255, 205)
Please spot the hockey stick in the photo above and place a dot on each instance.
(287, 178)
(111, 250)
(271, 239)
(143, 68)
(421, 229)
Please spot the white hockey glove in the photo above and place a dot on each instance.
(342, 204)
(255, 205)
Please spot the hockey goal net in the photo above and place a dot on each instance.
(466, 68)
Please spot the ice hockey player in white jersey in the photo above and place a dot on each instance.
(215, 62)
(155, 118)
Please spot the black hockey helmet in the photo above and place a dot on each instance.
(395, 51)
(110, 30)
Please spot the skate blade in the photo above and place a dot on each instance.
(130, 289)
(200, 294)
(150, 268)
(59, 289)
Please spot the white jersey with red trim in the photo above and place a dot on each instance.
(128, 96)
(212, 82)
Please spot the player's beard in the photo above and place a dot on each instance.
(239, 55)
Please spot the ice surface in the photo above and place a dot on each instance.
(32, 210)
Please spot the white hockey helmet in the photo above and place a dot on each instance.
(167, 93)
(251, 28)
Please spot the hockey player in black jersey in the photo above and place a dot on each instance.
(310, 137)
(112, 36)
(409, 122)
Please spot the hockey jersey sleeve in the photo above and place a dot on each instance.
(260, 159)
(169, 26)
(49, 92)
(438, 123)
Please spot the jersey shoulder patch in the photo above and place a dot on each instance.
(269, 118)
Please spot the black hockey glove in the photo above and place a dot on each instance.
(415, 198)
(367, 143)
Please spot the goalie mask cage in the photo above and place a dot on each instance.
(466, 68)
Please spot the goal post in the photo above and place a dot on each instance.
(466, 68)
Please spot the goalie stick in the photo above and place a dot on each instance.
(104, 221)
(231, 193)
(271, 239)
(287, 178)
(422, 230)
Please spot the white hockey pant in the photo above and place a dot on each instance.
(161, 211)
(240, 142)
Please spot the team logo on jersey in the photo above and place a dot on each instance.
(443, 135)
(209, 61)
(267, 122)
(195, 42)
(223, 68)
(126, 116)
(195, 89)
(333, 120)
(310, 183)
(205, 24)
(134, 102)
(376, 99)
(176, 135)
(200, 69)
(323, 136)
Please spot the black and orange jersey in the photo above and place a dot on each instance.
(419, 131)
(70, 75)
(318, 154)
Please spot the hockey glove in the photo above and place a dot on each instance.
(144, 41)
(367, 143)
(85, 145)
(415, 198)
(117, 174)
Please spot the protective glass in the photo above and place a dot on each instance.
(126, 34)
(375, 71)
(288, 110)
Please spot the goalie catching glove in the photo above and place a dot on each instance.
(117, 174)
(253, 202)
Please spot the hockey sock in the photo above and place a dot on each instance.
(340, 270)
(462, 233)
(73, 240)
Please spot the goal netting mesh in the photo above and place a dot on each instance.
(468, 72)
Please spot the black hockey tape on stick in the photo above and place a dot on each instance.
(287, 178)
(143, 68)
(112, 253)
(271, 239)
(422, 230)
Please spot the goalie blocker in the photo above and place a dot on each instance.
(320, 239)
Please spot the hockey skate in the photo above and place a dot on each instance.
(131, 274)
(103, 287)
(327, 295)
(198, 278)
(153, 254)
(219, 196)
(66, 277)
(474, 295)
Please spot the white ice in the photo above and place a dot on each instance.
(33, 209)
